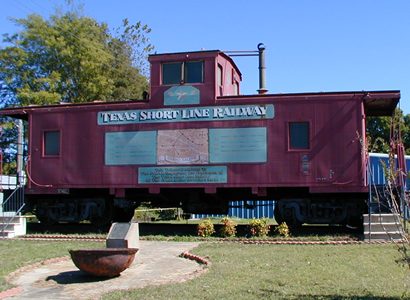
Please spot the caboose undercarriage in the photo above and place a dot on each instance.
(295, 206)
(91, 205)
(321, 210)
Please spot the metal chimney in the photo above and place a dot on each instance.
(262, 82)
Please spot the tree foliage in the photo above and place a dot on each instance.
(406, 133)
(69, 58)
(8, 142)
(378, 130)
(129, 66)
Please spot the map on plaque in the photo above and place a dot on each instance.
(182, 147)
(199, 146)
(181, 95)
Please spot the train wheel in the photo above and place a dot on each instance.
(44, 219)
(355, 223)
(290, 219)
(278, 215)
(44, 215)
(102, 220)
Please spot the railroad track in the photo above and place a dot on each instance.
(333, 235)
(246, 241)
(61, 237)
(155, 228)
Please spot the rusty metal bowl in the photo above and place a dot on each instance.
(109, 262)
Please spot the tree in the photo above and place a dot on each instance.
(406, 133)
(8, 145)
(70, 58)
(130, 67)
(378, 131)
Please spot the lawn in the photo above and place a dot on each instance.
(18, 253)
(290, 272)
(257, 271)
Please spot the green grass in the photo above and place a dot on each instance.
(18, 253)
(256, 271)
(290, 272)
(213, 238)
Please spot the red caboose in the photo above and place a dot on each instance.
(196, 142)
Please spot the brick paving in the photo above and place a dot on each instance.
(155, 263)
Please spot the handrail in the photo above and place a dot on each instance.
(17, 207)
(18, 189)
(5, 225)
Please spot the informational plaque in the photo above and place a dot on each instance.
(238, 145)
(199, 146)
(205, 174)
(130, 148)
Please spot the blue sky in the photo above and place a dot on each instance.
(311, 46)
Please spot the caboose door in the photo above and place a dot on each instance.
(323, 144)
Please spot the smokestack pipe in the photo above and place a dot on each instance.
(262, 82)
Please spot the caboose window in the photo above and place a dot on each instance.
(220, 73)
(183, 72)
(52, 143)
(172, 73)
(193, 72)
(235, 88)
(299, 135)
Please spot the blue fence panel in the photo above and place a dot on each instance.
(378, 162)
(264, 209)
(245, 210)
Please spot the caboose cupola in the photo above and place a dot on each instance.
(192, 78)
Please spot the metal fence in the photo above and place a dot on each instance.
(378, 202)
(245, 210)
(377, 163)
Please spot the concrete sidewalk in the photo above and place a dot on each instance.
(155, 263)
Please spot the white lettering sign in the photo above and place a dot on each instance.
(239, 112)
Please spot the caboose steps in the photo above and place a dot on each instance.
(11, 227)
(380, 218)
(382, 227)
(383, 236)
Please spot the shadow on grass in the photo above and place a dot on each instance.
(405, 255)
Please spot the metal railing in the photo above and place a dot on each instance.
(11, 207)
(387, 196)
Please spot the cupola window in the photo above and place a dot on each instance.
(183, 72)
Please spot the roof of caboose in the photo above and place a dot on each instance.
(376, 103)
(381, 106)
